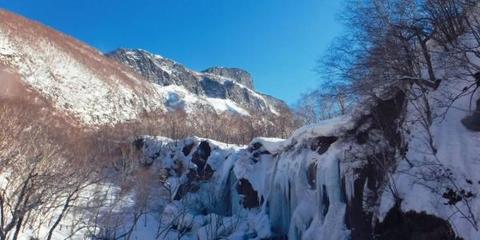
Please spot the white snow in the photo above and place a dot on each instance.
(458, 151)
(178, 97)
(325, 128)
(71, 85)
(226, 105)
(86, 94)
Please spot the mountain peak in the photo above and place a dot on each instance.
(238, 75)
(233, 84)
(134, 52)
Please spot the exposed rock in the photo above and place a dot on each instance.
(213, 88)
(386, 116)
(383, 118)
(157, 69)
(259, 153)
(239, 75)
(186, 188)
(178, 167)
(200, 156)
(472, 122)
(362, 137)
(255, 146)
(224, 83)
(325, 201)
(187, 149)
(250, 199)
(139, 143)
(321, 144)
(411, 225)
(208, 173)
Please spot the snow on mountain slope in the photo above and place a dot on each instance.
(81, 81)
(178, 97)
(77, 78)
(231, 84)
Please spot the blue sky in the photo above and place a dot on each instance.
(278, 41)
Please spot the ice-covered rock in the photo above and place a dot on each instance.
(330, 180)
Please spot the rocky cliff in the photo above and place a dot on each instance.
(222, 83)
(239, 75)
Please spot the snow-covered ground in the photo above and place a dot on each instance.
(455, 165)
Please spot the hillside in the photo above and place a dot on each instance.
(96, 90)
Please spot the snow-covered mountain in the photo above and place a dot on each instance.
(75, 77)
(94, 89)
(231, 84)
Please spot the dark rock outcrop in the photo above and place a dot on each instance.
(200, 156)
(321, 144)
(157, 69)
(472, 122)
(383, 117)
(224, 83)
(187, 149)
(411, 225)
(250, 196)
(239, 75)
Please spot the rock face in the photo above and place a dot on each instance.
(399, 225)
(217, 82)
(239, 75)
(157, 69)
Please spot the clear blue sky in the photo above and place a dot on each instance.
(278, 41)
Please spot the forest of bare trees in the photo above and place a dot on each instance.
(44, 165)
(49, 164)
(225, 127)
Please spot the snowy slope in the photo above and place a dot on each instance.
(453, 163)
(81, 81)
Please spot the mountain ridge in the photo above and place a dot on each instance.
(215, 82)
(96, 90)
